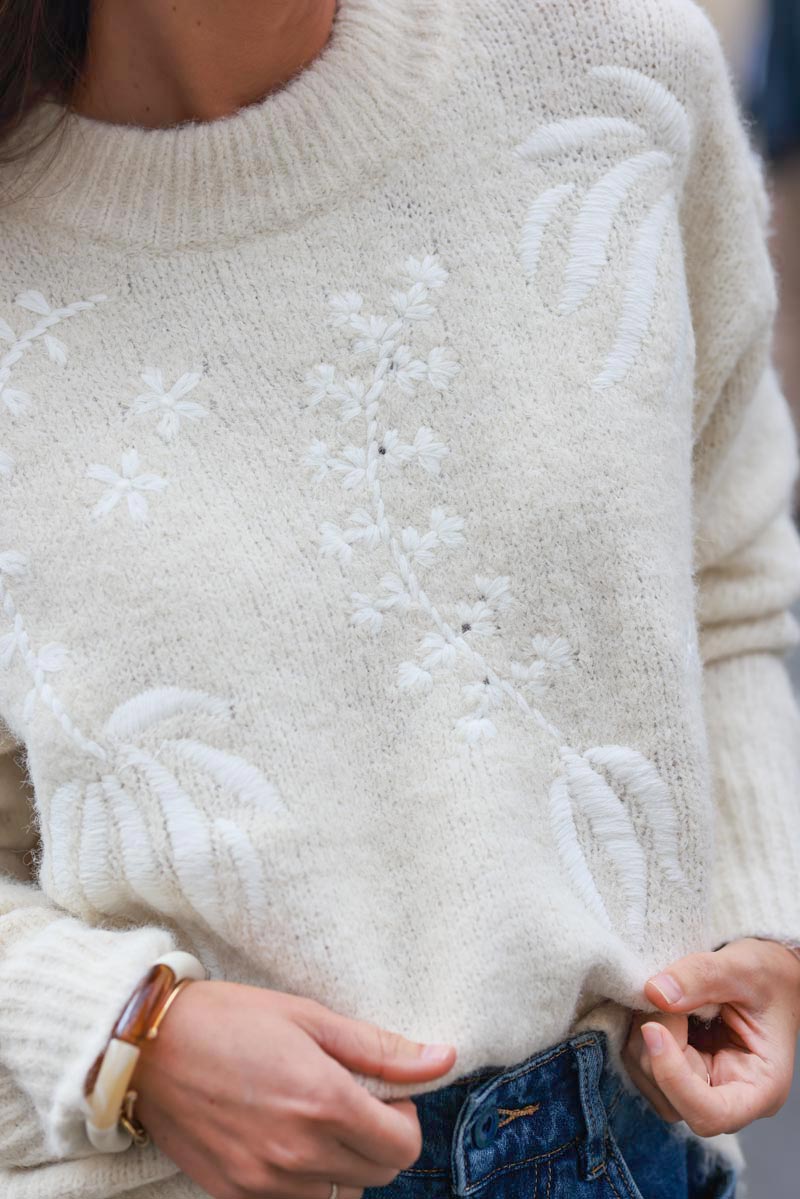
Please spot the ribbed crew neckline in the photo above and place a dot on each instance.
(332, 128)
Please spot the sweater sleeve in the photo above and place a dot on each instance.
(62, 985)
(746, 546)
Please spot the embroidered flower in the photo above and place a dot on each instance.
(375, 333)
(351, 399)
(336, 542)
(130, 484)
(494, 592)
(412, 677)
(366, 613)
(427, 270)
(407, 370)
(352, 466)
(444, 646)
(441, 368)
(395, 453)
(15, 400)
(413, 304)
(476, 618)
(319, 460)
(448, 529)
(427, 451)
(13, 563)
(475, 727)
(170, 402)
(345, 306)
(554, 651)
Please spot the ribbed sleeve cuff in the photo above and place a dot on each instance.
(61, 990)
(753, 723)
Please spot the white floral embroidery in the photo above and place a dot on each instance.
(170, 402)
(660, 117)
(6, 465)
(130, 484)
(457, 638)
(449, 642)
(15, 400)
(144, 747)
(15, 565)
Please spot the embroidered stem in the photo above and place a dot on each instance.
(42, 326)
(41, 686)
(406, 570)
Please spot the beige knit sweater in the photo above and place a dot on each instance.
(396, 548)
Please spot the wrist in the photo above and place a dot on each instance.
(108, 1096)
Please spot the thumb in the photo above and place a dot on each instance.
(699, 981)
(370, 1049)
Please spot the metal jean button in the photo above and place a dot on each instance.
(484, 1125)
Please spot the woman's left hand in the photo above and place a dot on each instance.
(719, 1078)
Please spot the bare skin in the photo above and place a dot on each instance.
(721, 1077)
(251, 1093)
(157, 63)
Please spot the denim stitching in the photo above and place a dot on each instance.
(509, 1167)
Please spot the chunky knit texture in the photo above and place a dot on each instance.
(396, 550)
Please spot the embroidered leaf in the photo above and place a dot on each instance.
(33, 301)
(613, 830)
(249, 873)
(56, 350)
(632, 771)
(592, 228)
(6, 332)
(16, 401)
(8, 646)
(191, 849)
(540, 214)
(241, 780)
(97, 877)
(639, 298)
(572, 856)
(559, 138)
(147, 870)
(6, 464)
(149, 708)
(660, 107)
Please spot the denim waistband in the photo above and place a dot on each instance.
(499, 1119)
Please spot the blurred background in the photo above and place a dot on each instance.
(762, 39)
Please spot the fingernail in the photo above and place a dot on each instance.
(668, 987)
(436, 1053)
(653, 1038)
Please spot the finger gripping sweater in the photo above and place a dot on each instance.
(395, 549)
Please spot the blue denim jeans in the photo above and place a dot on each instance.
(559, 1125)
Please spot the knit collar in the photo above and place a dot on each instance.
(338, 124)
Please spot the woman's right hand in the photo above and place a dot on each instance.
(249, 1091)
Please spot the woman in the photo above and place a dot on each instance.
(396, 567)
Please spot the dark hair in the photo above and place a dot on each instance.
(42, 49)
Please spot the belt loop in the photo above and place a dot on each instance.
(590, 1058)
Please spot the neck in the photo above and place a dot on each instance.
(157, 64)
